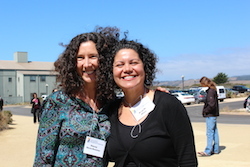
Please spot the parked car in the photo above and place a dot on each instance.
(241, 88)
(174, 91)
(221, 91)
(185, 98)
(231, 93)
(200, 96)
(192, 92)
(119, 95)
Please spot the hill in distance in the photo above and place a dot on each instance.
(243, 79)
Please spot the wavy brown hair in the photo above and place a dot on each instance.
(66, 64)
(208, 82)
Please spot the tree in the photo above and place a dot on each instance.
(220, 78)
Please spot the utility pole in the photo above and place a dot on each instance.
(182, 77)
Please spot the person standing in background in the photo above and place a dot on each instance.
(1, 103)
(247, 104)
(35, 109)
(210, 112)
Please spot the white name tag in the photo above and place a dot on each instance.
(142, 108)
(94, 146)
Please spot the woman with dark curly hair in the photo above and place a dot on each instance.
(149, 128)
(74, 125)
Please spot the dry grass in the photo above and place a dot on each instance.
(227, 109)
(5, 119)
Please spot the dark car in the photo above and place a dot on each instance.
(241, 88)
(200, 96)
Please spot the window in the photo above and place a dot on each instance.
(221, 91)
(32, 78)
(42, 78)
(10, 79)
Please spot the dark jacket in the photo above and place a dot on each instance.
(33, 104)
(1, 104)
(211, 107)
(245, 102)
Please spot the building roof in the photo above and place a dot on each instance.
(31, 65)
(37, 72)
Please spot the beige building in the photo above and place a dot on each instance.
(20, 78)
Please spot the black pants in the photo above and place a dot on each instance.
(36, 114)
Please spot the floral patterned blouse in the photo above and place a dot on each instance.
(65, 122)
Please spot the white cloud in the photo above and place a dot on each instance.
(231, 61)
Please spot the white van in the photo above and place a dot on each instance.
(221, 91)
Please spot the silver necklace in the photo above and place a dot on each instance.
(138, 124)
(133, 129)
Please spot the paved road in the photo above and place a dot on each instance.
(24, 110)
(194, 112)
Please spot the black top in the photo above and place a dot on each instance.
(211, 106)
(166, 138)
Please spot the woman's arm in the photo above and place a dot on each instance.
(178, 123)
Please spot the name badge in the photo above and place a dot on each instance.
(94, 146)
(142, 108)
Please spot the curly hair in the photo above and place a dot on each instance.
(148, 58)
(66, 64)
(207, 82)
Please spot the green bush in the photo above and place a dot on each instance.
(5, 119)
(231, 94)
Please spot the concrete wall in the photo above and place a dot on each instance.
(21, 88)
(39, 87)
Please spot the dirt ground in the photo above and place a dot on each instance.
(17, 144)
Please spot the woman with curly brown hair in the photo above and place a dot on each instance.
(210, 112)
(149, 128)
(74, 126)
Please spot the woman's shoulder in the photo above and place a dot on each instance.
(59, 97)
(166, 100)
(168, 104)
(211, 90)
(164, 96)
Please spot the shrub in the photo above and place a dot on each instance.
(231, 94)
(5, 119)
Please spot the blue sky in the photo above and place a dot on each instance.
(193, 38)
